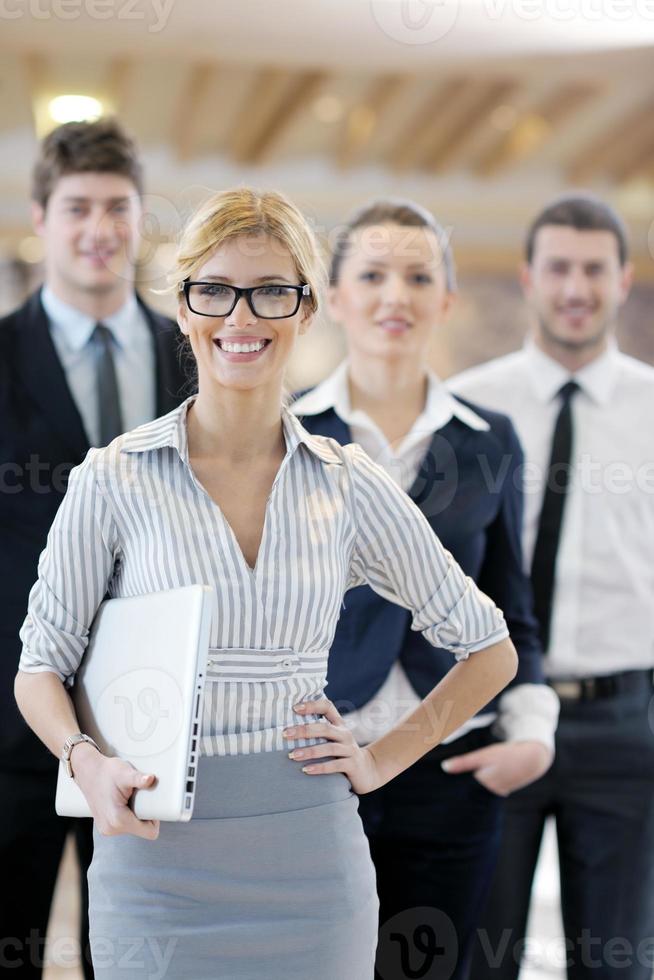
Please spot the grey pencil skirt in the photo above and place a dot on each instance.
(270, 880)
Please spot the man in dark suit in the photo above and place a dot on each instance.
(81, 361)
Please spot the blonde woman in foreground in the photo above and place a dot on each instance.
(272, 877)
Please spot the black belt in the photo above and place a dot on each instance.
(605, 686)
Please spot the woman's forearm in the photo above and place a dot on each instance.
(465, 689)
(46, 707)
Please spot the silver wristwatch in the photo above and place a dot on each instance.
(70, 742)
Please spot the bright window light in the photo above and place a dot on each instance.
(75, 108)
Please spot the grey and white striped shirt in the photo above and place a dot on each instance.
(136, 520)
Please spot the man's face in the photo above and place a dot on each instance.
(575, 285)
(90, 230)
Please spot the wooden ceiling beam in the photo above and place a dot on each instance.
(606, 151)
(532, 128)
(276, 98)
(34, 65)
(190, 114)
(462, 126)
(364, 119)
(118, 78)
(637, 159)
(413, 139)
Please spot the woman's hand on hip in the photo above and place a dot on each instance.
(108, 785)
(347, 756)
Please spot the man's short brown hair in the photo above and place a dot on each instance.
(584, 212)
(84, 147)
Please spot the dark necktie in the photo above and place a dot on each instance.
(551, 516)
(109, 413)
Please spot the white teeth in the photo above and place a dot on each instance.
(232, 348)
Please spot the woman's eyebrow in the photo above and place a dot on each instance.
(259, 279)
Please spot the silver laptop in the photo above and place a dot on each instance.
(138, 693)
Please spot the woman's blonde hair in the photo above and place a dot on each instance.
(243, 211)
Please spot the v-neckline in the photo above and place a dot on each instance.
(251, 569)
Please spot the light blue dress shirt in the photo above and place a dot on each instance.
(134, 359)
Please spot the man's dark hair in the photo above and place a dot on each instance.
(585, 212)
(84, 147)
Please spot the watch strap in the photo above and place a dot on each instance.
(69, 744)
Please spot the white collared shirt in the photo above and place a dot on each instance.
(136, 520)
(603, 613)
(527, 711)
(133, 353)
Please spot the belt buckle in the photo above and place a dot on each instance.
(589, 688)
(571, 690)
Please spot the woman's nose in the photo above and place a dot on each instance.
(241, 315)
(395, 290)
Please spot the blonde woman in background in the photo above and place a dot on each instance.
(272, 877)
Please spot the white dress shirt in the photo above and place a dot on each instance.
(527, 711)
(603, 610)
(133, 354)
(136, 520)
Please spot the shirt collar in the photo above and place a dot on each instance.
(170, 430)
(597, 379)
(76, 327)
(440, 406)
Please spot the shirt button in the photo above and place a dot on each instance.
(287, 663)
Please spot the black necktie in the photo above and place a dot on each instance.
(109, 414)
(551, 515)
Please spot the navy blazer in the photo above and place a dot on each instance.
(469, 487)
(41, 439)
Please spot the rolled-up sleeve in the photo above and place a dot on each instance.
(398, 555)
(74, 571)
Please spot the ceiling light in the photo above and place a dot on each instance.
(30, 249)
(328, 109)
(75, 108)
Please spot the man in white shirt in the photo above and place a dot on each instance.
(81, 361)
(583, 412)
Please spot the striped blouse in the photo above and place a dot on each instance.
(135, 520)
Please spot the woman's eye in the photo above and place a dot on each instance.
(273, 290)
(370, 276)
(422, 279)
(213, 289)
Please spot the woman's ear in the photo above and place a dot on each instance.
(448, 305)
(182, 321)
(306, 319)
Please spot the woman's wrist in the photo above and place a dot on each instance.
(82, 756)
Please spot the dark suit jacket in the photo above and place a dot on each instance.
(469, 488)
(41, 439)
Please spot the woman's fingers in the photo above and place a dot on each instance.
(321, 707)
(338, 749)
(318, 729)
(320, 768)
(122, 821)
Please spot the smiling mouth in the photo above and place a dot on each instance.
(242, 347)
(394, 325)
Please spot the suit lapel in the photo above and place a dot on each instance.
(45, 379)
(168, 370)
(435, 485)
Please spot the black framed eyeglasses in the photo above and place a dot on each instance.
(275, 301)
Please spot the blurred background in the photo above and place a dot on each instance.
(481, 110)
